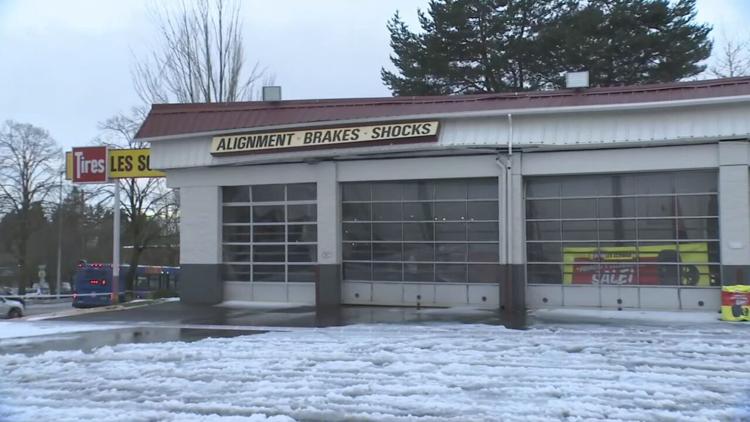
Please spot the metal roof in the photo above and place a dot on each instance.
(184, 119)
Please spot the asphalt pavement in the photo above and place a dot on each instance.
(177, 313)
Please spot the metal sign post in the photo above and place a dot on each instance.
(116, 245)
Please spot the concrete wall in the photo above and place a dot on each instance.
(328, 286)
(734, 203)
(200, 244)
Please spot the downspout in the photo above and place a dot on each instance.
(506, 165)
(509, 294)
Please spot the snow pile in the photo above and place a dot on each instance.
(395, 373)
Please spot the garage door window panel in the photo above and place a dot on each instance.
(430, 229)
(661, 226)
(259, 244)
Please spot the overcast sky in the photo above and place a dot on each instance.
(65, 65)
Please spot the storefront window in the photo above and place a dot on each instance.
(627, 229)
(421, 231)
(269, 233)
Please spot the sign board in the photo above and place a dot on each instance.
(131, 163)
(122, 163)
(245, 143)
(89, 165)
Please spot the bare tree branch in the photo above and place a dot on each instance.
(30, 164)
(731, 58)
(144, 201)
(201, 58)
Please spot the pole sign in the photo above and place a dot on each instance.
(100, 165)
(121, 164)
(89, 165)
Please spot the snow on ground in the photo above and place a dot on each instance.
(16, 329)
(442, 372)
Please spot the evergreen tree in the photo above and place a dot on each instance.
(469, 46)
(629, 42)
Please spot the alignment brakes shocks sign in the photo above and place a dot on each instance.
(245, 143)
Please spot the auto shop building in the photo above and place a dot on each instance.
(627, 197)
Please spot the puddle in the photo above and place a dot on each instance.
(176, 313)
(87, 341)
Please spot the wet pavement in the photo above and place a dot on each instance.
(176, 313)
(175, 321)
(87, 341)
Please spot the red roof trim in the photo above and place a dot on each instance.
(177, 119)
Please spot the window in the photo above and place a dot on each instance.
(421, 231)
(269, 233)
(623, 229)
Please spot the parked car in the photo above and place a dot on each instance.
(37, 293)
(11, 294)
(11, 308)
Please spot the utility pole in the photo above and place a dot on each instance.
(59, 236)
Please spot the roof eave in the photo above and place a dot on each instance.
(471, 114)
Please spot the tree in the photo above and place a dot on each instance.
(627, 42)
(202, 59)
(29, 170)
(731, 59)
(470, 46)
(148, 205)
(26, 230)
(86, 232)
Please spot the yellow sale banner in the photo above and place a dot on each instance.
(642, 265)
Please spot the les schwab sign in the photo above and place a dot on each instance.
(256, 142)
(98, 164)
(88, 165)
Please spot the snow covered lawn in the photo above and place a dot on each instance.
(446, 372)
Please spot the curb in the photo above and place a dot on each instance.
(76, 311)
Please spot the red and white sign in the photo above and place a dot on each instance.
(90, 165)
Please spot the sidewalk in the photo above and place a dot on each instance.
(56, 311)
(629, 317)
(249, 314)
